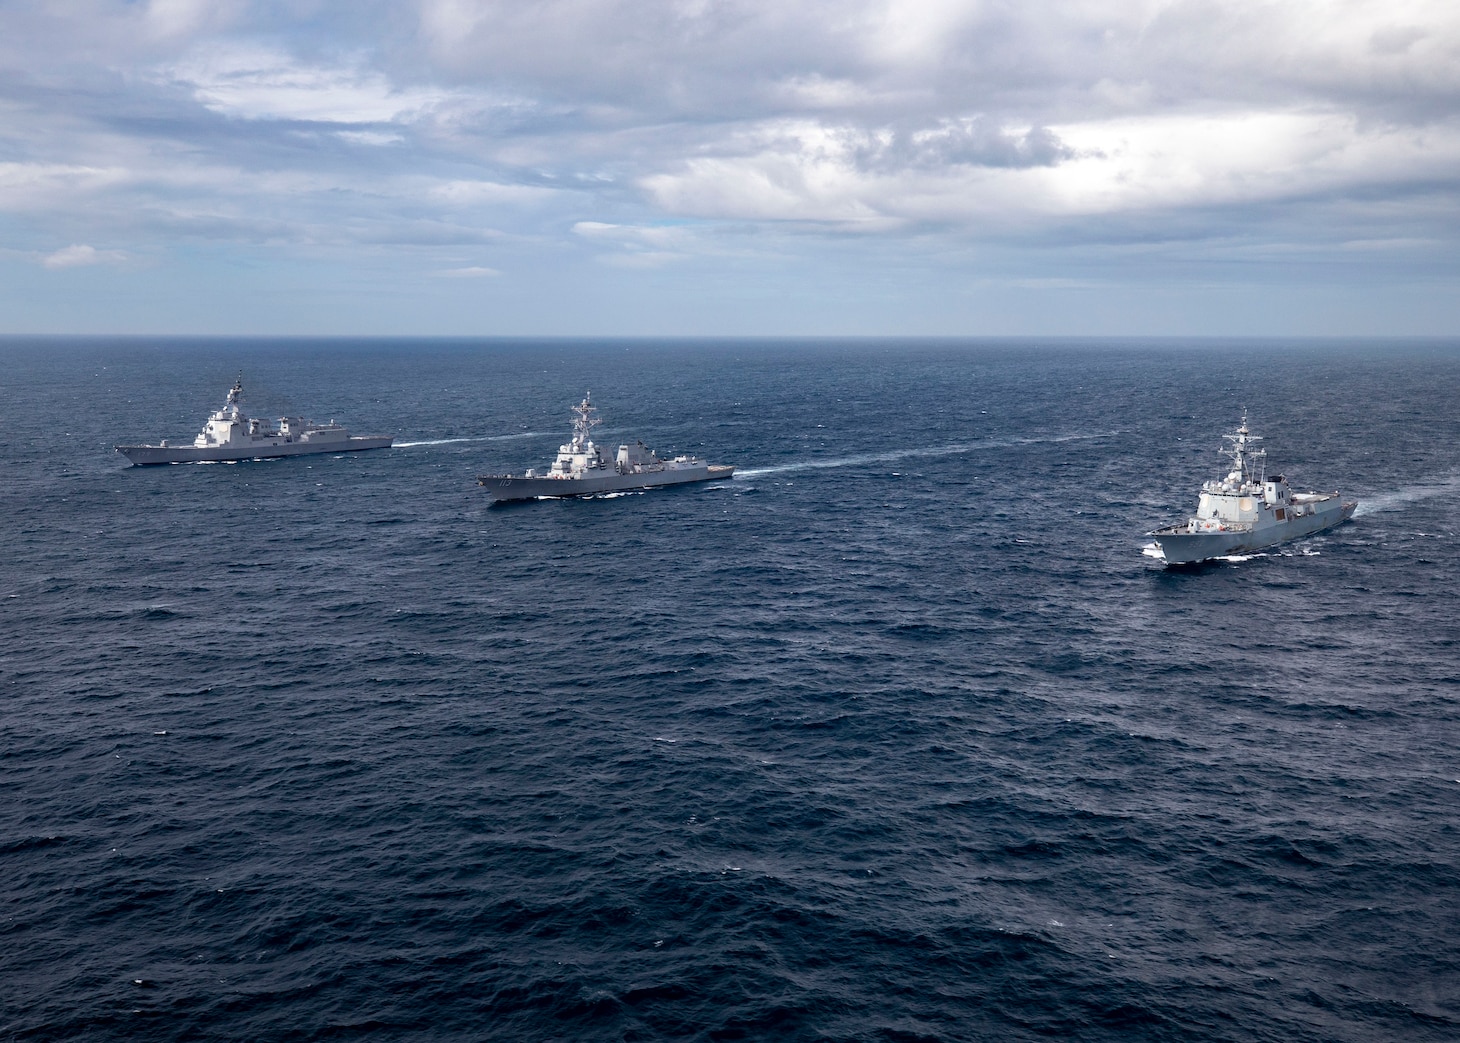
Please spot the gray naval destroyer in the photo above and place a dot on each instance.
(1248, 510)
(583, 469)
(229, 435)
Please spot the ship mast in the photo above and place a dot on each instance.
(1249, 464)
(584, 422)
(231, 409)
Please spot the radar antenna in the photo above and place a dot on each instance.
(1249, 464)
(584, 422)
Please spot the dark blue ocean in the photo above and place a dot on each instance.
(896, 736)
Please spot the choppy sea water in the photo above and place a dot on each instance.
(898, 735)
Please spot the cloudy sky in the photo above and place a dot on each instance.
(724, 167)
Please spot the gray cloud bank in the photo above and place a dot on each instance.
(477, 136)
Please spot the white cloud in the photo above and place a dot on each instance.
(634, 235)
(901, 33)
(840, 175)
(79, 255)
(168, 19)
(820, 92)
(787, 171)
(635, 246)
(1243, 157)
(488, 193)
(1038, 60)
(647, 132)
(263, 83)
(369, 138)
(27, 186)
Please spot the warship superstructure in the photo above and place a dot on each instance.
(583, 468)
(229, 435)
(1248, 510)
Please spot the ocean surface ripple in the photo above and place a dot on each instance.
(897, 735)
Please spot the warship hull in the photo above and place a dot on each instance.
(1180, 546)
(504, 488)
(144, 455)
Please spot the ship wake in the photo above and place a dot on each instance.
(955, 449)
(480, 438)
(1435, 488)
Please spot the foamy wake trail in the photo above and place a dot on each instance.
(482, 438)
(956, 449)
(1446, 485)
